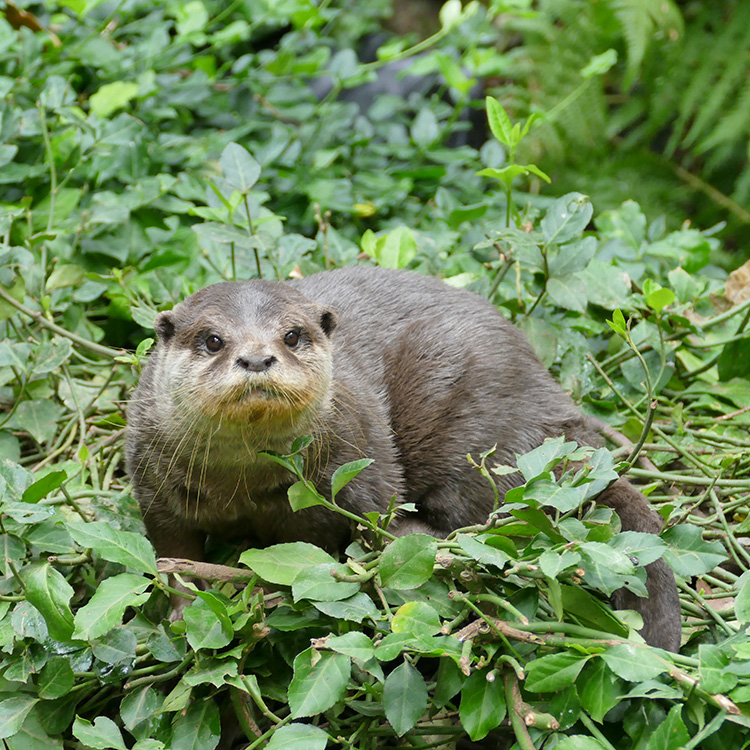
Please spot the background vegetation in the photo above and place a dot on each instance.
(148, 149)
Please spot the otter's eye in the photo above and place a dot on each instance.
(291, 338)
(214, 344)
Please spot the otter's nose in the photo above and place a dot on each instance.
(256, 364)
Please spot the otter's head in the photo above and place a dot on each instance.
(254, 353)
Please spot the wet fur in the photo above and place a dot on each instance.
(404, 369)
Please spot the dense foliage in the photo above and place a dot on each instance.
(148, 149)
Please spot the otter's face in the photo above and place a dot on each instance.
(250, 352)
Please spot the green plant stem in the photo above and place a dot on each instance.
(585, 719)
(515, 712)
(39, 318)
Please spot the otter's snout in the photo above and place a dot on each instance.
(257, 363)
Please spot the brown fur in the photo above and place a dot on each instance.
(390, 365)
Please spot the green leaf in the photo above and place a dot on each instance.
(591, 611)
(396, 249)
(425, 128)
(404, 698)
(298, 737)
(408, 561)
(417, 618)
(303, 495)
(282, 563)
(50, 593)
(671, 734)
(101, 735)
(319, 681)
(599, 64)
(344, 474)
(354, 644)
(688, 554)
(112, 96)
(566, 218)
(125, 547)
(499, 122)
(579, 742)
(634, 663)
(240, 170)
(734, 360)
(549, 674)
(599, 689)
(56, 678)
(13, 712)
(483, 705)
(106, 607)
(742, 600)
(42, 487)
(38, 417)
(713, 670)
(317, 583)
(206, 628)
(197, 729)
(568, 292)
(484, 554)
(354, 609)
(140, 708)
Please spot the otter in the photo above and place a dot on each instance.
(389, 365)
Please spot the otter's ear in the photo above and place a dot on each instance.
(164, 325)
(328, 321)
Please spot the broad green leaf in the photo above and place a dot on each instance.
(303, 495)
(713, 669)
(398, 248)
(197, 729)
(38, 417)
(591, 611)
(483, 704)
(599, 689)
(240, 170)
(671, 734)
(106, 607)
(408, 561)
(353, 609)
(344, 474)
(56, 679)
(475, 548)
(317, 583)
(688, 554)
(580, 742)
(320, 680)
(566, 218)
(282, 563)
(124, 547)
(354, 644)
(425, 128)
(568, 292)
(42, 487)
(103, 734)
(563, 499)
(13, 712)
(742, 600)
(554, 672)
(206, 628)
(404, 698)
(31, 736)
(573, 257)
(50, 593)
(118, 646)
(499, 122)
(112, 96)
(139, 708)
(634, 663)
(298, 737)
(417, 618)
